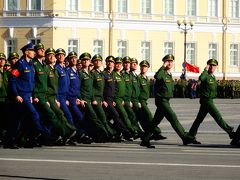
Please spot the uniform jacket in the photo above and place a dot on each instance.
(74, 82)
(63, 80)
(109, 85)
(164, 84)
(208, 86)
(21, 80)
(98, 84)
(86, 91)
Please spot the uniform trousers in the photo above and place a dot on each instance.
(66, 128)
(22, 112)
(112, 113)
(123, 114)
(102, 117)
(207, 106)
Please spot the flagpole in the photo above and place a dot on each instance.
(184, 26)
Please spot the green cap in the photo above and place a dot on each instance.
(85, 55)
(72, 54)
(168, 57)
(126, 59)
(60, 51)
(13, 55)
(213, 62)
(118, 60)
(38, 46)
(134, 60)
(78, 61)
(49, 51)
(7, 63)
(2, 56)
(97, 57)
(144, 63)
(110, 58)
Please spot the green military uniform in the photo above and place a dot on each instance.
(52, 87)
(98, 88)
(128, 78)
(208, 91)
(86, 94)
(120, 88)
(3, 95)
(145, 114)
(164, 87)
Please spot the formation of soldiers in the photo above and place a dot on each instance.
(54, 98)
(60, 99)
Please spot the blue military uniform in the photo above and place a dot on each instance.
(21, 84)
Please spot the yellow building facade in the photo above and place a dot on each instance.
(144, 29)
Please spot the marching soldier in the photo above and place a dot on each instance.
(120, 94)
(68, 131)
(208, 91)
(109, 103)
(63, 84)
(74, 101)
(21, 86)
(163, 92)
(3, 93)
(98, 88)
(86, 97)
(128, 104)
(145, 113)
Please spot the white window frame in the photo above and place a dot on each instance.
(70, 47)
(143, 9)
(146, 51)
(98, 49)
(95, 8)
(166, 9)
(29, 5)
(234, 55)
(212, 51)
(191, 52)
(12, 46)
(189, 6)
(120, 9)
(6, 5)
(213, 8)
(69, 5)
(167, 48)
(121, 49)
(235, 13)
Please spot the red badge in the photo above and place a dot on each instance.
(15, 72)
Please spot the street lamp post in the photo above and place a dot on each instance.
(185, 27)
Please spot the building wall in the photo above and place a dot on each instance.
(56, 25)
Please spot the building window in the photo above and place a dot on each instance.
(146, 6)
(213, 8)
(234, 8)
(11, 5)
(234, 51)
(72, 5)
(35, 5)
(73, 45)
(35, 40)
(191, 8)
(169, 7)
(191, 53)
(212, 51)
(99, 5)
(11, 45)
(168, 48)
(122, 6)
(122, 48)
(98, 47)
(145, 50)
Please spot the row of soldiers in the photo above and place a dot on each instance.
(60, 99)
(225, 88)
